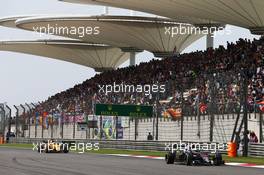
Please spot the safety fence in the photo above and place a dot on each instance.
(162, 146)
(163, 129)
(256, 150)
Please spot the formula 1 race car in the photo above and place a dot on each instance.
(51, 146)
(190, 158)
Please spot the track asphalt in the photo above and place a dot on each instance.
(28, 162)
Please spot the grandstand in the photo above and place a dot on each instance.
(209, 94)
(218, 71)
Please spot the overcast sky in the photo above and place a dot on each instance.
(27, 78)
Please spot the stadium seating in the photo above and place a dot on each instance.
(190, 73)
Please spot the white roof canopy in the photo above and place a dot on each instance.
(121, 31)
(244, 13)
(9, 21)
(97, 56)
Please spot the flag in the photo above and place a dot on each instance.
(165, 114)
(261, 106)
(203, 108)
(36, 118)
(44, 116)
(172, 113)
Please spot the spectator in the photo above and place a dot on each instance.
(210, 77)
(253, 137)
(150, 137)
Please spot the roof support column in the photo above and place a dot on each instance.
(106, 10)
(209, 40)
(132, 60)
(210, 28)
(133, 51)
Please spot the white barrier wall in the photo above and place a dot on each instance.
(167, 129)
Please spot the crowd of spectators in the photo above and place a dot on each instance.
(213, 78)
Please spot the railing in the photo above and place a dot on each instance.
(256, 150)
(122, 144)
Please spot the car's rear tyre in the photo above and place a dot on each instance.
(169, 158)
(65, 148)
(65, 151)
(47, 150)
(188, 159)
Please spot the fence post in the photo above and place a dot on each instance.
(157, 116)
(213, 108)
(182, 116)
(16, 120)
(23, 123)
(245, 114)
(101, 127)
(74, 123)
(116, 126)
(129, 124)
(87, 132)
(157, 126)
(51, 127)
(9, 123)
(62, 123)
(29, 115)
(3, 110)
(260, 127)
(136, 128)
(35, 120)
(153, 122)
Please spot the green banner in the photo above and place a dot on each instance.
(123, 110)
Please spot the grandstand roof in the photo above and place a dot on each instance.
(122, 31)
(10, 21)
(244, 13)
(97, 56)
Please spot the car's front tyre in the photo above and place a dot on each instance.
(218, 160)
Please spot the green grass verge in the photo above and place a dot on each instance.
(13, 145)
(252, 160)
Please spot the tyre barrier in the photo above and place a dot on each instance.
(232, 149)
(2, 140)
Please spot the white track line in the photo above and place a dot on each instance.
(162, 158)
